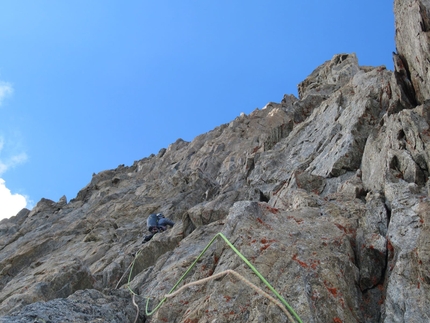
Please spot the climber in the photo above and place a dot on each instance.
(156, 223)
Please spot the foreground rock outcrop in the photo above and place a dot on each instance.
(327, 195)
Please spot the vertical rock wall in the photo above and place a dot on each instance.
(413, 41)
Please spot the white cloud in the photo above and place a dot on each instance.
(5, 90)
(10, 204)
(12, 158)
(17, 159)
(3, 167)
(12, 161)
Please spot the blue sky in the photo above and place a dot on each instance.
(88, 85)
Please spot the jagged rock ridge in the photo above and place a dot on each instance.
(326, 194)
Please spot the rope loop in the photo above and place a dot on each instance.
(280, 301)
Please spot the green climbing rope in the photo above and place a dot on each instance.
(281, 299)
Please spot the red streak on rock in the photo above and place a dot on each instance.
(301, 263)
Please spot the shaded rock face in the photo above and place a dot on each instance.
(327, 195)
(412, 41)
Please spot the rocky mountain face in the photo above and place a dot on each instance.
(327, 195)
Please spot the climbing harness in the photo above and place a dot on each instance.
(280, 301)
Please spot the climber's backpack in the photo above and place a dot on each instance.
(153, 219)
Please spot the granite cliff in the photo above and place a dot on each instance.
(326, 194)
